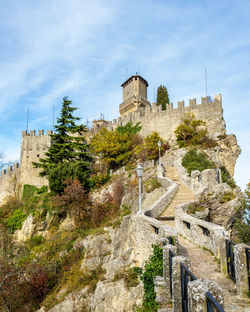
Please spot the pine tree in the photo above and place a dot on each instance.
(68, 156)
(162, 97)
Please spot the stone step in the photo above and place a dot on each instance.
(168, 218)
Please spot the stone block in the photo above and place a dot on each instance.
(241, 272)
(223, 255)
(160, 290)
(197, 298)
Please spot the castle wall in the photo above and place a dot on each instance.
(8, 178)
(33, 147)
(165, 122)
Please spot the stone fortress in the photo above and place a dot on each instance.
(134, 108)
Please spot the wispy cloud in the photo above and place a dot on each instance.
(49, 49)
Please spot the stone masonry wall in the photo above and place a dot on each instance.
(33, 147)
(7, 183)
(165, 122)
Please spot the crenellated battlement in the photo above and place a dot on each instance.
(33, 133)
(150, 112)
(10, 169)
(6, 176)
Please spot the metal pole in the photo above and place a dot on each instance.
(206, 80)
(139, 194)
(159, 155)
(27, 124)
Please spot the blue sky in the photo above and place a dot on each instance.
(81, 49)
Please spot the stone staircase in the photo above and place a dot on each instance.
(203, 263)
(183, 195)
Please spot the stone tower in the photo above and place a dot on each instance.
(134, 95)
(33, 147)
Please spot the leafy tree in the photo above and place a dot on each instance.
(162, 97)
(150, 149)
(21, 288)
(242, 221)
(68, 156)
(74, 199)
(129, 128)
(191, 131)
(116, 146)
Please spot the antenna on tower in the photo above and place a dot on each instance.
(206, 80)
(27, 123)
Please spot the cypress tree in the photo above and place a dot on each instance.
(162, 97)
(68, 156)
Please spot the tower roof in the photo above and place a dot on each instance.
(136, 76)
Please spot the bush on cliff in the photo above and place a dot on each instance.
(226, 177)
(153, 268)
(194, 160)
(193, 131)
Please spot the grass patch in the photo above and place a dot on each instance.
(195, 207)
(226, 197)
(151, 185)
(226, 178)
(130, 276)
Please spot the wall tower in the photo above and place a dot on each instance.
(134, 95)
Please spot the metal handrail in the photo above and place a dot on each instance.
(186, 277)
(213, 304)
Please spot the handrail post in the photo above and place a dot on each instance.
(177, 296)
(223, 255)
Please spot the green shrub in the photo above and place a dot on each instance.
(151, 185)
(126, 210)
(193, 208)
(226, 177)
(226, 197)
(97, 180)
(15, 221)
(153, 267)
(34, 241)
(28, 191)
(194, 160)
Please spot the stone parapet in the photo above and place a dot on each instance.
(201, 233)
